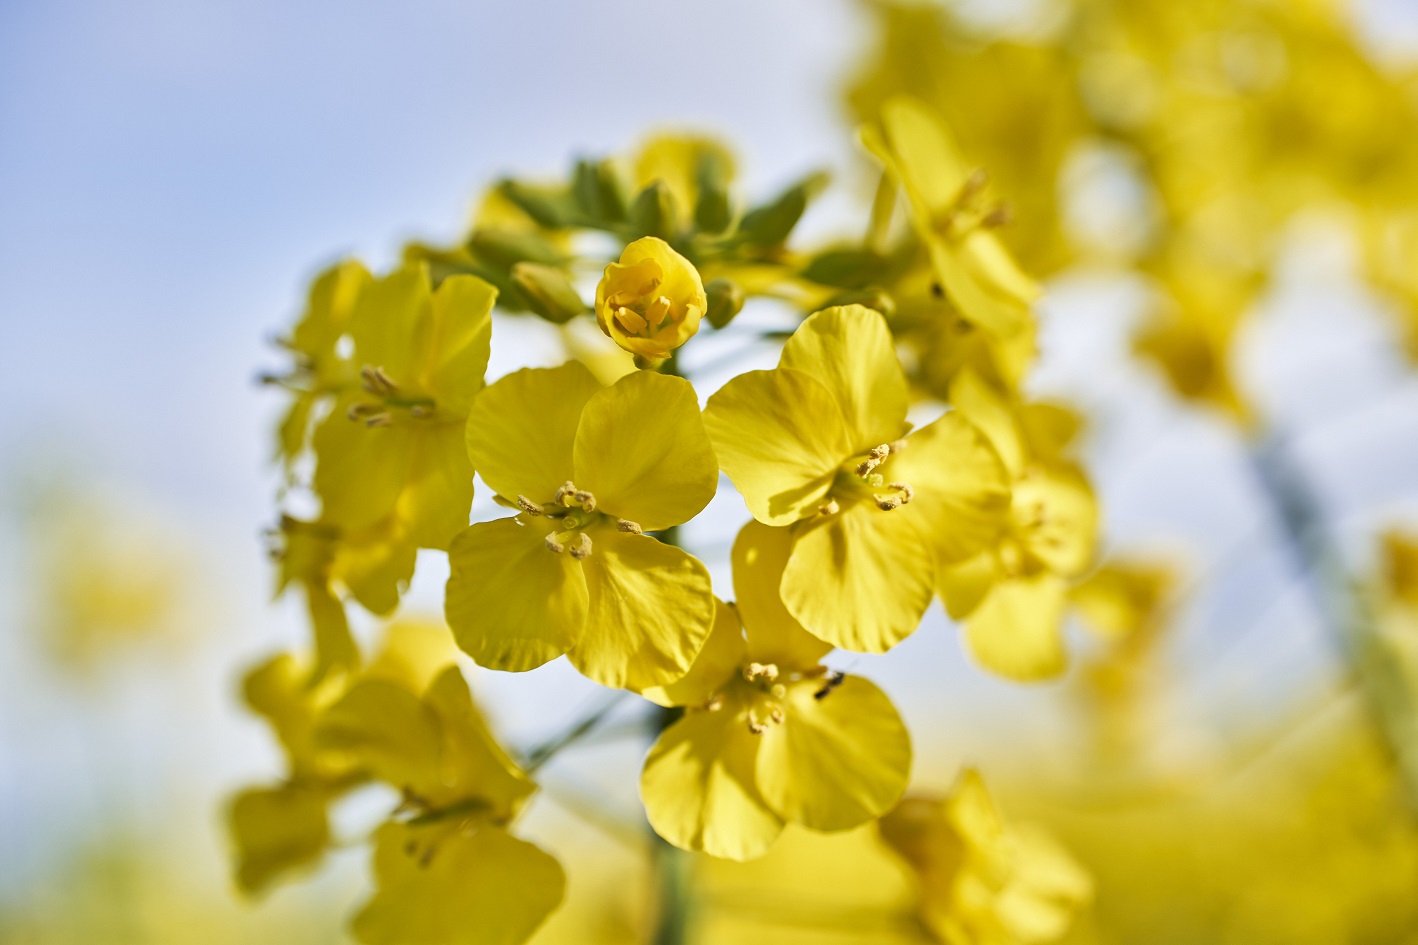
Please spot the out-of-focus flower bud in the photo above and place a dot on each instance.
(548, 291)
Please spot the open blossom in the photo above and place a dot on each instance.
(590, 470)
(1012, 596)
(769, 735)
(821, 444)
(393, 446)
(652, 300)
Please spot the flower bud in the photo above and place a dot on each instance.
(725, 301)
(548, 292)
(654, 213)
(651, 301)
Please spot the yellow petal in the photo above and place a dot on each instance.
(388, 322)
(454, 888)
(413, 653)
(439, 489)
(388, 731)
(963, 586)
(760, 555)
(651, 609)
(359, 470)
(1056, 517)
(461, 330)
(276, 831)
(473, 763)
(780, 437)
(861, 580)
(1016, 631)
(1046, 890)
(278, 691)
(718, 660)
(332, 299)
(511, 603)
(961, 491)
(850, 351)
(641, 450)
(376, 564)
(698, 786)
(837, 761)
(988, 412)
(334, 646)
(522, 428)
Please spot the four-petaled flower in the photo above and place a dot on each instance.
(591, 470)
(821, 443)
(769, 735)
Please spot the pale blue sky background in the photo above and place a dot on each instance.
(172, 172)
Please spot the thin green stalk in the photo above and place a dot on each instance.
(1343, 608)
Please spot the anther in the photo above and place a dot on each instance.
(588, 501)
(715, 703)
(756, 727)
(583, 547)
(658, 309)
(1001, 215)
(830, 507)
(767, 672)
(360, 411)
(776, 716)
(888, 503)
(630, 528)
(875, 457)
(975, 183)
(566, 494)
(555, 546)
(382, 419)
(528, 506)
(907, 493)
(630, 320)
(376, 381)
(421, 411)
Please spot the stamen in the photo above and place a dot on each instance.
(975, 183)
(376, 381)
(555, 546)
(768, 672)
(588, 501)
(360, 411)
(583, 547)
(528, 506)
(875, 457)
(715, 703)
(1001, 215)
(565, 494)
(830, 507)
(384, 419)
(756, 727)
(631, 528)
(421, 411)
(658, 309)
(630, 320)
(907, 493)
(887, 503)
(776, 715)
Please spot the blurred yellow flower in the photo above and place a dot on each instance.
(590, 470)
(652, 300)
(769, 735)
(1012, 596)
(983, 880)
(821, 444)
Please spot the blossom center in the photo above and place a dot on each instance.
(858, 480)
(573, 511)
(390, 398)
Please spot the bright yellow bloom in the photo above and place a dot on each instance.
(1015, 594)
(395, 447)
(769, 734)
(651, 301)
(974, 270)
(983, 880)
(591, 469)
(821, 444)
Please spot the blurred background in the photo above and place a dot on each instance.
(172, 174)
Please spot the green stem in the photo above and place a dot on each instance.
(544, 752)
(1343, 608)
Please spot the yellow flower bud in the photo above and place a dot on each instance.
(651, 301)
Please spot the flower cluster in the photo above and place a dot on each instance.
(875, 485)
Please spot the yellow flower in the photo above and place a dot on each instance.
(981, 879)
(820, 443)
(591, 470)
(1015, 593)
(974, 270)
(651, 301)
(395, 446)
(769, 735)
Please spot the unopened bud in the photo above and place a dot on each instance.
(654, 213)
(725, 301)
(549, 293)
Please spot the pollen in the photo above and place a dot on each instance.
(528, 506)
(629, 527)
(376, 381)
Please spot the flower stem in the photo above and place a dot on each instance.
(1343, 608)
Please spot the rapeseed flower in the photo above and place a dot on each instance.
(652, 300)
(394, 447)
(983, 880)
(591, 470)
(769, 735)
(821, 444)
